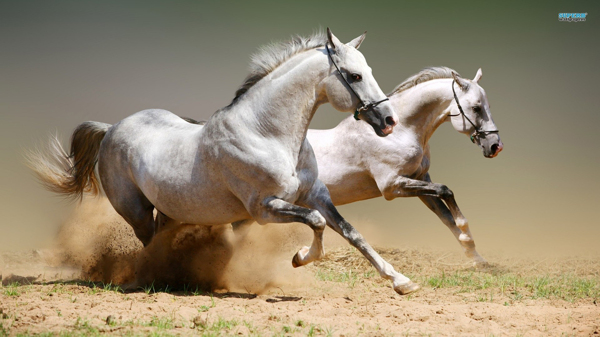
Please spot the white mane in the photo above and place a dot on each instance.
(271, 56)
(427, 74)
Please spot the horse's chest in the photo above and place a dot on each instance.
(421, 169)
(411, 161)
(300, 181)
(262, 168)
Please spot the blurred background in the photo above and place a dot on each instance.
(65, 62)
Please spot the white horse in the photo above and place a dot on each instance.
(356, 166)
(251, 160)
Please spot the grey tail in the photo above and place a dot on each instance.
(70, 175)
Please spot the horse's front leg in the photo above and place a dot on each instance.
(319, 199)
(434, 195)
(276, 210)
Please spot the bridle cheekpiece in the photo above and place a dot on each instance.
(478, 132)
(362, 106)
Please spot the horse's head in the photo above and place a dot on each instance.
(470, 114)
(351, 86)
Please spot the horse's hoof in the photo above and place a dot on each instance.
(295, 262)
(405, 289)
(300, 255)
(481, 264)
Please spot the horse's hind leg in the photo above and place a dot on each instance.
(280, 211)
(134, 207)
(162, 221)
(436, 205)
(140, 216)
(434, 195)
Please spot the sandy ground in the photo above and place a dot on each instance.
(183, 288)
(349, 307)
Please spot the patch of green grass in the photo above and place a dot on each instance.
(250, 327)
(443, 281)
(204, 308)
(57, 289)
(86, 327)
(314, 329)
(187, 290)
(112, 287)
(12, 289)
(94, 289)
(485, 297)
(218, 328)
(4, 330)
(566, 287)
(350, 277)
(221, 324)
(197, 292)
(152, 289)
(149, 289)
(162, 323)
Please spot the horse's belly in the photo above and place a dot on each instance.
(351, 188)
(208, 206)
(187, 190)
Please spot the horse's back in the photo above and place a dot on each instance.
(151, 139)
(152, 123)
(160, 155)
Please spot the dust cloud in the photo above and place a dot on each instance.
(99, 242)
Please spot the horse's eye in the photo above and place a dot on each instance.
(477, 109)
(355, 77)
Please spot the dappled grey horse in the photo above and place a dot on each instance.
(397, 166)
(250, 161)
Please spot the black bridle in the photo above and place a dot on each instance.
(478, 132)
(362, 107)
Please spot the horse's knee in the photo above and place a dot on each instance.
(390, 192)
(316, 221)
(444, 192)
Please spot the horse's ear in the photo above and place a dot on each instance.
(333, 41)
(462, 83)
(357, 41)
(478, 76)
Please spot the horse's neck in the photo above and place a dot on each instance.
(423, 108)
(283, 103)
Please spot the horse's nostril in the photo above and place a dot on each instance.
(390, 121)
(495, 148)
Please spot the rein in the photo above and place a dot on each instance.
(478, 132)
(362, 107)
